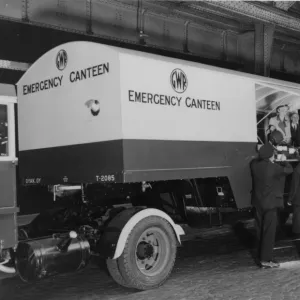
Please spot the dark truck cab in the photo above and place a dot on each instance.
(8, 167)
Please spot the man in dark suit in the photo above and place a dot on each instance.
(267, 197)
(295, 129)
(294, 199)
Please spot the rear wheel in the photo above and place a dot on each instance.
(113, 269)
(149, 254)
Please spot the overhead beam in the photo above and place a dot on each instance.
(82, 15)
(182, 11)
(251, 10)
(263, 43)
(50, 38)
(284, 5)
(86, 14)
(13, 65)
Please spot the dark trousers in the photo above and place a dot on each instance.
(296, 218)
(266, 222)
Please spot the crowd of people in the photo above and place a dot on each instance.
(287, 126)
(269, 176)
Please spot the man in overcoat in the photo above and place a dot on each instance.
(294, 199)
(295, 129)
(267, 196)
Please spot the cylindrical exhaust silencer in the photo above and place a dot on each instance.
(40, 258)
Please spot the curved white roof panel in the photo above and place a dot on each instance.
(140, 96)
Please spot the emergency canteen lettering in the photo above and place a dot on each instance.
(74, 76)
(149, 98)
(42, 85)
(89, 72)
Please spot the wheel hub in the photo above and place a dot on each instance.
(152, 251)
(144, 250)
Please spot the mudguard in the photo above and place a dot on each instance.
(114, 238)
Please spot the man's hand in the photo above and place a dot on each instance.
(283, 157)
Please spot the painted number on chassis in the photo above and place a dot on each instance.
(106, 178)
(33, 180)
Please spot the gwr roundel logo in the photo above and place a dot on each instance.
(61, 60)
(179, 81)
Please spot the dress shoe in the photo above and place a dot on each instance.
(269, 264)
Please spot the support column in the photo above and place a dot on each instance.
(263, 43)
(25, 11)
(140, 22)
(89, 21)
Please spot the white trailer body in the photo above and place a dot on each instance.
(160, 119)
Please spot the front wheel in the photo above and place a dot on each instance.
(149, 254)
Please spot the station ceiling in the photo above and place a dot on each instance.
(221, 33)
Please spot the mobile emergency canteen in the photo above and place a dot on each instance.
(136, 141)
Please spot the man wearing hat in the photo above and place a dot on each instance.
(267, 197)
(294, 199)
(295, 129)
(281, 122)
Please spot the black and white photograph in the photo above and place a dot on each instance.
(149, 150)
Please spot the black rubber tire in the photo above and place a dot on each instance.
(127, 261)
(113, 269)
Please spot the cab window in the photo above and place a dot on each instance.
(3, 130)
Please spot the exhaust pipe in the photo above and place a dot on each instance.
(62, 253)
(4, 269)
